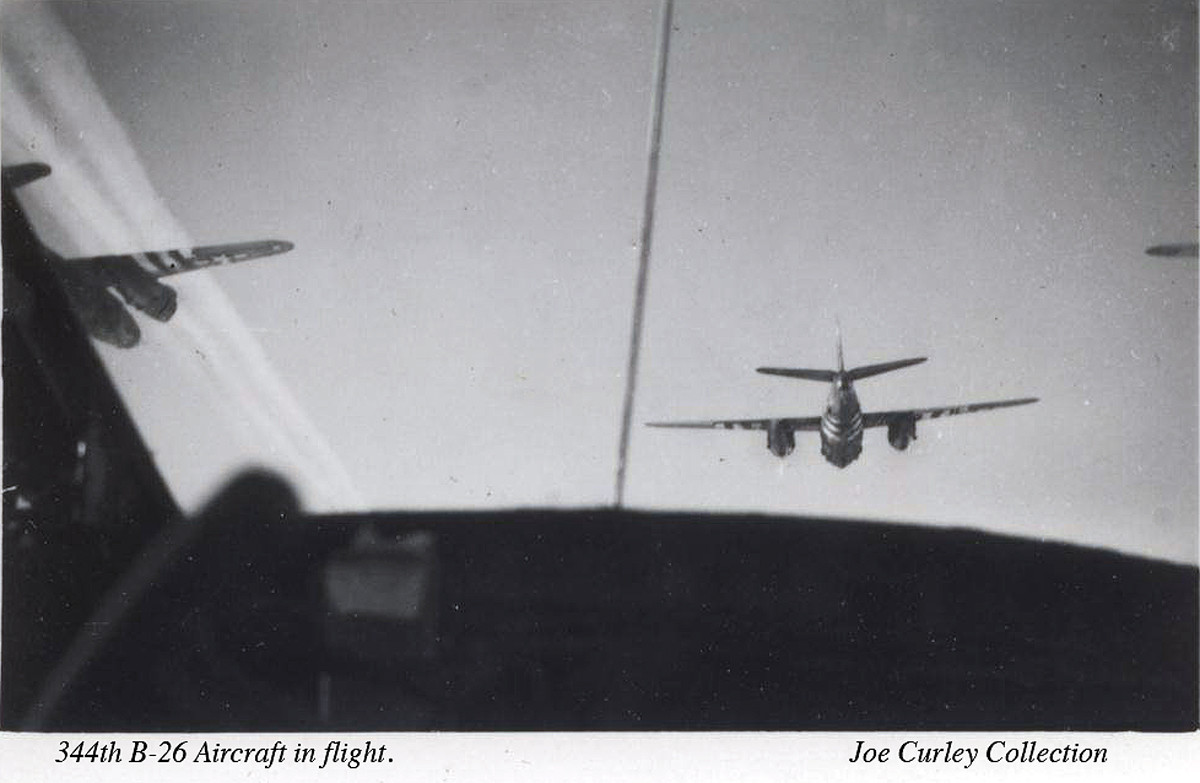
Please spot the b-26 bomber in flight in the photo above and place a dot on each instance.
(135, 276)
(1173, 250)
(842, 424)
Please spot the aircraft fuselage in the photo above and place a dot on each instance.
(841, 424)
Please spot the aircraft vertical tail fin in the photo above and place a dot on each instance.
(824, 376)
(841, 360)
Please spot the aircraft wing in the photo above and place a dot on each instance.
(884, 418)
(161, 263)
(794, 424)
(135, 277)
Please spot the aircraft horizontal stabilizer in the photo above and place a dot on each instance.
(825, 376)
(866, 371)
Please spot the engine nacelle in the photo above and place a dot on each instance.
(781, 439)
(901, 432)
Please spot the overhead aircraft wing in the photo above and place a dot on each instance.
(135, 276)
(884, 418)
(161, 263)
(794, 424)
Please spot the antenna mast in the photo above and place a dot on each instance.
(639, 296)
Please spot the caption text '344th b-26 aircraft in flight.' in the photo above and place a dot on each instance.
(134, 276)
(842, 424)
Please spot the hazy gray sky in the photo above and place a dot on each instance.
(973, 183)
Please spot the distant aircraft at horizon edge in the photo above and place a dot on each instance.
(1174, 250)
(841, 425)
(135, 276)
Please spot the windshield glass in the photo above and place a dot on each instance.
(465, 189)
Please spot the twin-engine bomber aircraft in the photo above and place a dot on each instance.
(134, 276)
(842, 424)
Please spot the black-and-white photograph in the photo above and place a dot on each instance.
(571, 366)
